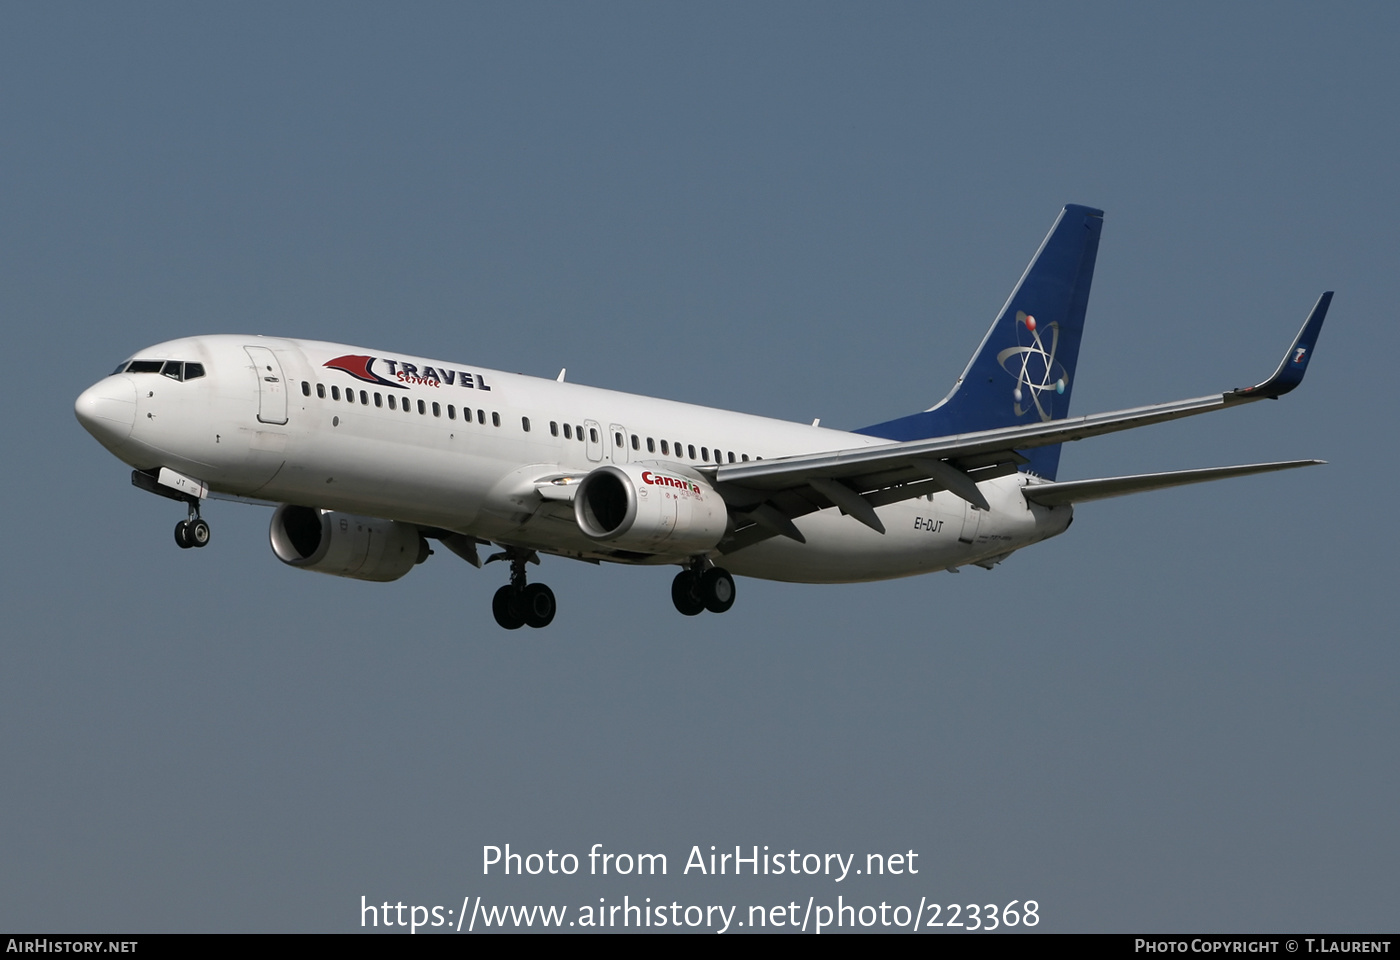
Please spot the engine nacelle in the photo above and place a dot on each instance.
(650, 508)
(345, 545)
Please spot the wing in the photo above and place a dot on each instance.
(765, 496)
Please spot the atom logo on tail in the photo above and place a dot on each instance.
(1035, 368)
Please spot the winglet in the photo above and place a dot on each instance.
(1295, 362)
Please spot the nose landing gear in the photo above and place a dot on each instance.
(519, 604)
(193, 532)
(697, 589)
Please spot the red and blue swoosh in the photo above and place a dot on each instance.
(361, 368)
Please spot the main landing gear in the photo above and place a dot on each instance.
(193, 532)
(519, 604)
(696, 589)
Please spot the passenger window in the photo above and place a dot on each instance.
(525, 423)
(746, 458)
(568, 432)
(481, 417)
(495, 419)
(393, 403)
(617, 440)
(731, 456)
(665, 448)
(451, 412)
(422, 408)
(379, 399)
(321, 390)
(593, 434)
(437, 409)
(554, 428)
(635, 444)
(305, 389)
(349, 396)
(364, 397)
(691, 448)
(578, 432)
(705, 454)
(335, 393)
(651, 445)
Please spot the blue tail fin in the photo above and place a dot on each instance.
(1023, 371)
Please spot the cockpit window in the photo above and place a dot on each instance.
(174, 369)
(120, 367)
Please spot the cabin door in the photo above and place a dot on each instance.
(272, 388)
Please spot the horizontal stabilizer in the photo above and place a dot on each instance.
(1078, 491)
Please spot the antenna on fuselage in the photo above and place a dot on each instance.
(560, 378)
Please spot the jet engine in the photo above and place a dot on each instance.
(650, 508)
(345, 545)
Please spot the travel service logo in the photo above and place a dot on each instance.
(404, 373)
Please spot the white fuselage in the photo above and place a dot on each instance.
(268, 419)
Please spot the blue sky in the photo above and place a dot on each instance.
(1178, 716)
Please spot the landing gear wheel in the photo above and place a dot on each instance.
(685, 593)
(518, 603)
(507, 610)
(537, 604)
(182, 535)
(717, 589)
(197, 533)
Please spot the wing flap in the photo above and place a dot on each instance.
(994, 445)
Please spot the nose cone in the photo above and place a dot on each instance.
(107, 410)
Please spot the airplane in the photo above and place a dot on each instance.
(368, 455)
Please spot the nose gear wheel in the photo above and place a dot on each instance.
(193, 532)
